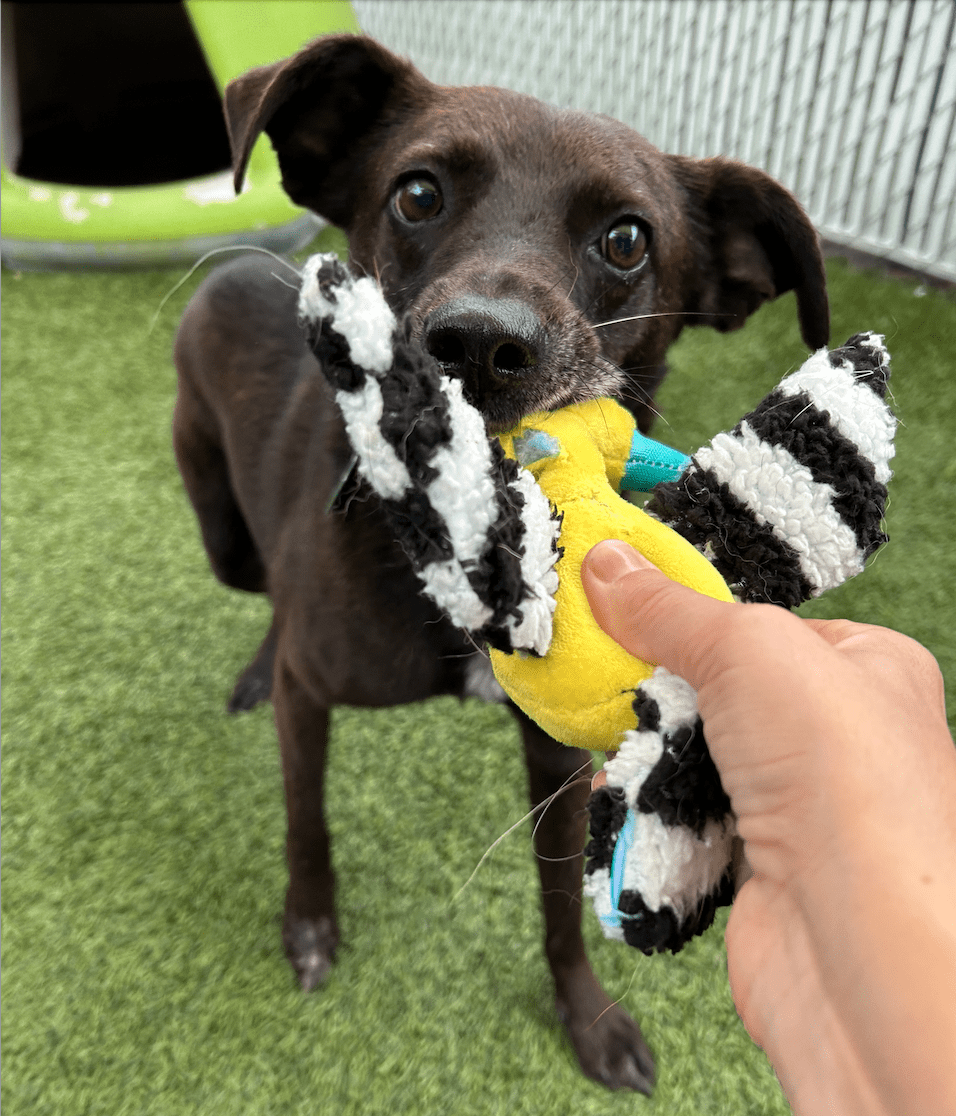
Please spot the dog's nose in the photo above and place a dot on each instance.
(488, 342)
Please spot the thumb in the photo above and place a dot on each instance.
(652, 617)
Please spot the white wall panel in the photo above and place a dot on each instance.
(850, 103)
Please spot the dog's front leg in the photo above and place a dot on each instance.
(309, 931)
(608, 1043)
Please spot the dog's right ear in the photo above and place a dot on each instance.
(322, 109)
(753, 242)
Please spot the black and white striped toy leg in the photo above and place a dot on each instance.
(787, 505)
(477, 530)
(790, 503)
(661, 829)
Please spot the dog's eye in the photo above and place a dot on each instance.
(418, 199)
(624, 244)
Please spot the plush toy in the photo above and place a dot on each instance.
(788, 504)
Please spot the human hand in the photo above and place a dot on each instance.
(831, 741)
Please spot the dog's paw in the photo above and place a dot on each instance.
(310, 945)
(254, 684)
(250, 690)
(611, 1049)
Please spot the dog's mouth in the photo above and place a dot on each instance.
(504, 410)
(501, 405)
(501, 393)
(500, 418)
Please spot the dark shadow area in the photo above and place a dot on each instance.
(111, 95)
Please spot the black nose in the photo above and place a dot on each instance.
(489, 343)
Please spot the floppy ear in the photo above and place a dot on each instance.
(755, 243)
(321, 108)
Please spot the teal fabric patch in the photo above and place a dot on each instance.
(650, 463)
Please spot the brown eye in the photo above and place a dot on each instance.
(418, 199)
(624, 245)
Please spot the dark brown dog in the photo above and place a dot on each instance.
(544, 257)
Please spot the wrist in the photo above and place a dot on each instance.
(883, 930)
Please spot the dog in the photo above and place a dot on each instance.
(544, 256)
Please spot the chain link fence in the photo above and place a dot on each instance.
(849, 103)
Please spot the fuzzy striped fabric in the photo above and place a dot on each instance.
(788, 504)
(658, 862)
(477, 529)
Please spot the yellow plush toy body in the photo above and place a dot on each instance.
(786, 505)
(582, 691)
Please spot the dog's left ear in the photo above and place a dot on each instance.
(755, 243)
(324, 109)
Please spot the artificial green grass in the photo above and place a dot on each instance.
(143, 971)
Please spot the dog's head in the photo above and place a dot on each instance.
(543, 255)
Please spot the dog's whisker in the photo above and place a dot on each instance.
(570, 896)
(557, 859)
(636, 385)
(639, 318)
(279, 279)
(492, 847)
(659, 314)
(572, 780)
(207, 255)
(577, 269)
(607, 425)
(808, 407)
(648, 402)
(638, 367)
(483, 651)
(340, 483)
(614, 1003)
(562, 280)
(641, 395)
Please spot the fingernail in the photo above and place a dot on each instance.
(612, 559)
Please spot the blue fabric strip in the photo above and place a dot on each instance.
(625, 839)
(651, 463)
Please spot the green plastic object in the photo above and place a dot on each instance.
(47, 226)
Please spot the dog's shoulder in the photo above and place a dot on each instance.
(251, 283)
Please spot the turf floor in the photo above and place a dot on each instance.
(143, 828)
